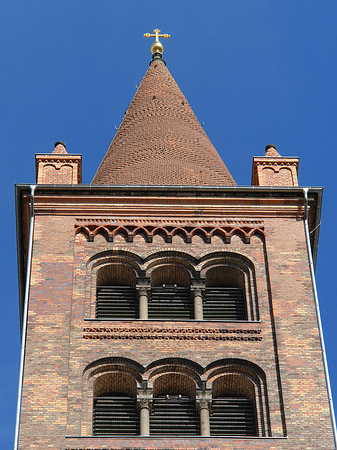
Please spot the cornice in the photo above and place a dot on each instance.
(168, 208)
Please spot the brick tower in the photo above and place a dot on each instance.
(163, 306)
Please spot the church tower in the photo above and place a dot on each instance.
(163, 306)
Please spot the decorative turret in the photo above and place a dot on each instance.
(274, 169)
(58, 167)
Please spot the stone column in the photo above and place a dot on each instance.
(198, 309)
(204, 407)
(143, 302)
(144, 406)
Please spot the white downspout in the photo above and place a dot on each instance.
(25, 314)
(318, 316)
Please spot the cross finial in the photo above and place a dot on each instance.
(157, 35)
(157, 46)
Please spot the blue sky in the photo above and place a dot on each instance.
(255, 72)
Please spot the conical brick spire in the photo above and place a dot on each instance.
(160, 141)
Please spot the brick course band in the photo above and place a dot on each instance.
(84, 221)
(201, 334)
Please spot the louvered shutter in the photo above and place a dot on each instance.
(224, 303)
(174, 417)
(170, 302)
(116, 302)
(115, 416)
(233, 417)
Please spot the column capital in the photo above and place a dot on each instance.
(203, 403)
(144, 403)
(143, 290)
(198, 290)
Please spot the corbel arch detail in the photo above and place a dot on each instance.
(225, 230)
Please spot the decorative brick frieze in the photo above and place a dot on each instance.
(109, 228)
(157, 333)
(56, 160)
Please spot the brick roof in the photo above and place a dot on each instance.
(60, 148)
(160, 141)
(272, 152)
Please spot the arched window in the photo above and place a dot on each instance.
(176, 397)
(116, 292)
(170, 293)
(225, 294)
(115, 405)
(173, 408)
(233, 410)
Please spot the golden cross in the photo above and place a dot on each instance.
(157, 35)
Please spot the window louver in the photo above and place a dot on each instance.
(115, 416)
(224, 303)
(174, 417)
(170, 302)
(116, 302)
(233, 417)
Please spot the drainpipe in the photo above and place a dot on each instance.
(318, 316)
(25, 316)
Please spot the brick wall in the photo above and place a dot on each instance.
(63, 348)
